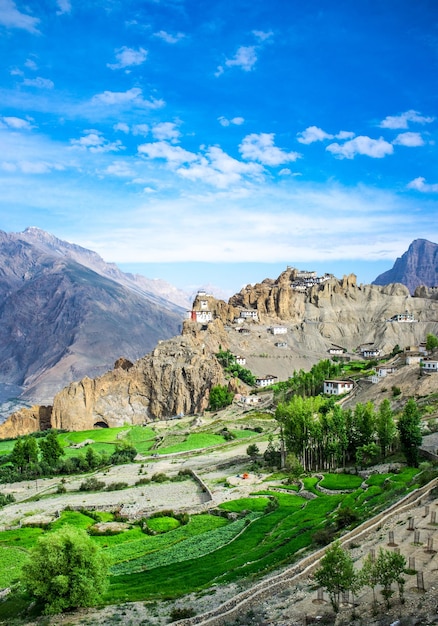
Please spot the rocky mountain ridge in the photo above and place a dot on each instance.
(418, 266)
(176, 377)
(65, 314)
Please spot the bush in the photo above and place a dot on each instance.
(181, 613)
(396, 391)
(324, 536)
(159, 477)
(92, 484)
(116, 486)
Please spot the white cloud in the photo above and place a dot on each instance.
(30, 64)
(40, 83)
(262, 35)
(375, 148)
(64, 6)
(419, 184)
(402, 120)
(11, 17)
(166, 130)
(260, 147)
(94, 141)
(122, 127)
(16, 123)
(122, 98)
(245, 58)
(168, 38)
(174, 155)
(313, 133)
(120, 169)
(411, 140)
(128, 57)
(237, 121)
(219, 169)
(140, 129)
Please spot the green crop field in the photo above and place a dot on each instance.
(270, 528)
(341, 481)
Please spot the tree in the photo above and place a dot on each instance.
(389, 568)
(336, 573)
(410, 432)
(51, 449)
(253, 451)
(220, 397)
(431, 342)
(386, 428)
(66, 570)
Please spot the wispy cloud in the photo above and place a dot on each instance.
(175, 155)
(11, 17)
(94, 141)
(262, 35)
(374, 148)
(128, 57)
(245, 58)
(402, 121)
(64, 6)
(313, 133)
(261, 148)
(39, 83)
(133, 96)
(166, 131)
(236, 121)
(168, 38)
(419, 184)
(15, 123)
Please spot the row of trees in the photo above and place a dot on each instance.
(308, 383)
(32, 458)
(337, 575)
(324, 436)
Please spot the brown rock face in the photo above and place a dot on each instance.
(26, 421)
(175, 378)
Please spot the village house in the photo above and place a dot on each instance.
(336, 351)
(429, 365)
(280, 344)
(385, 370)
(338, 387)
(278, 330)
(240, 360)
(202, 317)
(405, 317)
(249, 314)
(267, 380)
(370, 353)
(250, 400)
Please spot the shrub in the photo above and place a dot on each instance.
(159, 477)
(92, 484)
(396, 391)
(143, 481)
(116, 486)
(181, 613)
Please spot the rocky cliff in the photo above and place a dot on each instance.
(176, 377)
(417, 266)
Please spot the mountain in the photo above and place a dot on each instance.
(417, 266)
(66, 314)
(176, 377)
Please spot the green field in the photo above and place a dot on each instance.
(266, 532)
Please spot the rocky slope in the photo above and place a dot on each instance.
(62, 315)
(417, 266)
(176, 377)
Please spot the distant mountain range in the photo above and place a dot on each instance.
(66, 314)
(417, 266)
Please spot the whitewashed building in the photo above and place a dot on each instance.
(266, 381)
(338, 387)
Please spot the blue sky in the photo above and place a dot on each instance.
(219, 141)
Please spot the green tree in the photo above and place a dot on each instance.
(66, 570)
(410, 432)
(386, 428)
(253, 451)
(336, 573)
(51, 449)
(389, 568)
(431, 342)
(220, 397)
(17, 455)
